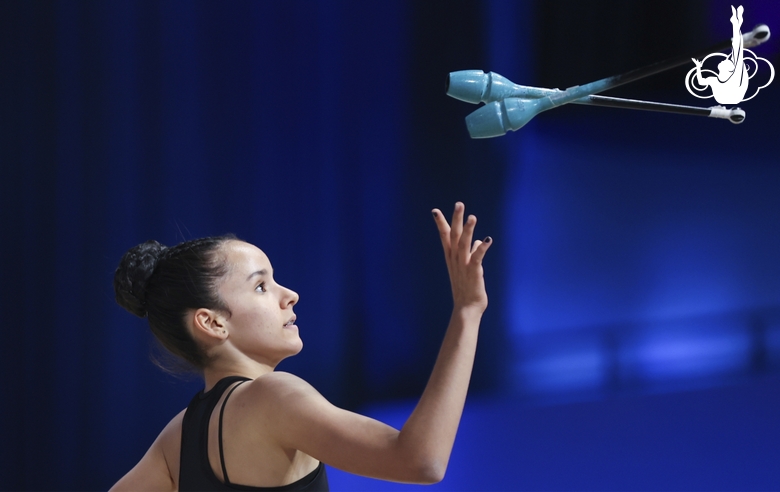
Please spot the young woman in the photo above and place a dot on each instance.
(214, 302)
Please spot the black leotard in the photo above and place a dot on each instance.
(195, 471)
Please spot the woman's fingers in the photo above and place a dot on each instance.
(468, 234)
(456, 229)
(480, 249)
(456, 239)
(444, 229)
(474, 246)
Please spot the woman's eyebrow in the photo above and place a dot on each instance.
(259, 272)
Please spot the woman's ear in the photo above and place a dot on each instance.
(208, 323)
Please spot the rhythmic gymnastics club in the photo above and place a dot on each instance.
(512, 113)
(475, 86)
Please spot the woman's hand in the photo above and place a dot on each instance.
(464, 259)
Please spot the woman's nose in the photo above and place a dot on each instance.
(291, 297)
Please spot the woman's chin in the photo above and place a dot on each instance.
(297, 347)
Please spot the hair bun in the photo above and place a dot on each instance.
(132, 275)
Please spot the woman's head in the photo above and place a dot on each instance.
(166, 284)
(209, 293)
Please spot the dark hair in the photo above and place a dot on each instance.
(163, 283)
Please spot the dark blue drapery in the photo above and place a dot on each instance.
(320, 132)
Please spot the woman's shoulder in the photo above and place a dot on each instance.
(277, 390)
(172, 430)
(278, 384)
(169, 442)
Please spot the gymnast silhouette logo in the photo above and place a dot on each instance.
(730, 84)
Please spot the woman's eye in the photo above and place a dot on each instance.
(261, 287)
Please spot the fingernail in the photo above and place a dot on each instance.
(487, 239)
(435, 214)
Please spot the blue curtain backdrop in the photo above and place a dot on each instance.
(317, 130)
(634, 252)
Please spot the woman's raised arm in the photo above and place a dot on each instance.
(420, 451)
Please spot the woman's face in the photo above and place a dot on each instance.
(261, 323)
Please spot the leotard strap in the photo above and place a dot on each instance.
(221, 452)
